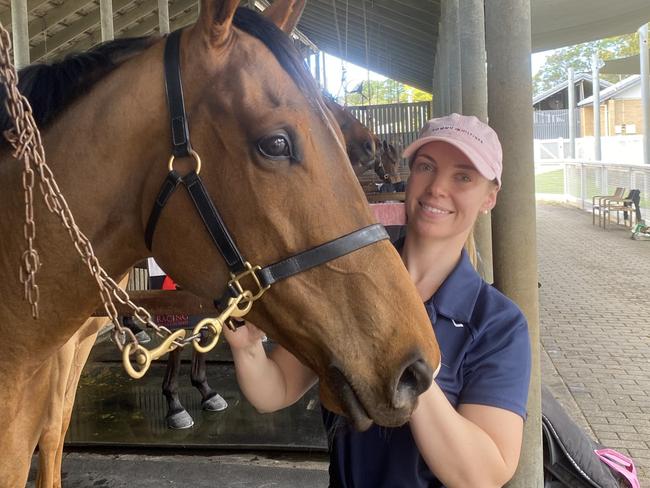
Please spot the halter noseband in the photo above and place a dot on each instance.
(238, 266)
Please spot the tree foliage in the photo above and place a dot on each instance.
(379, 92)
(579, 57)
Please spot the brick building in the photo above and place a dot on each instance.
(620, 110)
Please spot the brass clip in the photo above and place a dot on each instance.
(144, 356)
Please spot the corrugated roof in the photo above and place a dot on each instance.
(396, 38)
(561, 86)
(613, 90)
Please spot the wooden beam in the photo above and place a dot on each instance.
(73, 31)
(5, 16)
(54, 16)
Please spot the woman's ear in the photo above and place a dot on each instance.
(490, 199)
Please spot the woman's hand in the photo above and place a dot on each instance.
(244, 337)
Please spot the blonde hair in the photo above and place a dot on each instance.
(470, 247)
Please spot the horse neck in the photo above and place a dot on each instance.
(101, 151)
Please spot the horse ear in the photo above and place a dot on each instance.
(285, 13)
(215, 19)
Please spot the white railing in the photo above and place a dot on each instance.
(614, 149)
(581, 180)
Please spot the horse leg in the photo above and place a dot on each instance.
(70, 361)
(211, 400)
(177, 417)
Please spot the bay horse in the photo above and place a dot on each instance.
(273, 160)
(359, 140)
(387, 169)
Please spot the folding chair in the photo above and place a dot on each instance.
(618, 193)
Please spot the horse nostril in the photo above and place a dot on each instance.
(416, 378)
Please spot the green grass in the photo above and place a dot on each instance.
(551, 182)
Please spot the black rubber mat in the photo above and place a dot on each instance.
(113, 409)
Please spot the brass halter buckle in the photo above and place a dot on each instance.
(237, 307)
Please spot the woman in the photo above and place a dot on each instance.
(467, 428)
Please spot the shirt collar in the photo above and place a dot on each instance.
(456, 297)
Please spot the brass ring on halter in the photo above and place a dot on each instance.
(213, 325)
(143, 356)
(193, 154)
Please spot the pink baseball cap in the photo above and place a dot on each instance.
(476, 140)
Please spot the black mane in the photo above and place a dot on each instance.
(50, 88)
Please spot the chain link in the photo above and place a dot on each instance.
(25, 139)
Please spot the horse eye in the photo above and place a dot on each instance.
(275, 146)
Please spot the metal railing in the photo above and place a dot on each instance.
(581, 180)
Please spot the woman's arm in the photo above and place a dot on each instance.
(268, 382)
(476, 446)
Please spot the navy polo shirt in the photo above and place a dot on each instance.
(485, 350)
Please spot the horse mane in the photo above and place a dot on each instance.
(50, 88)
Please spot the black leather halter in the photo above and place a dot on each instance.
(210, 215)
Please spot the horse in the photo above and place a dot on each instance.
(387, 169)
(272, 156)
(359, 140)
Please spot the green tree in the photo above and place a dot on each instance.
(578, 57)
(379, 92)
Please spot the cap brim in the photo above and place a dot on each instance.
(480, 163)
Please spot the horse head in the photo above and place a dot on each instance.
(359, 140)
(270, 157)
(387, 163)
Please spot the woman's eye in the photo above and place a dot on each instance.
(275, 146)
(464, 178)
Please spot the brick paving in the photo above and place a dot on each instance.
(595, 328)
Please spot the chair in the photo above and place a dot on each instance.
(618, 193)
(625, 205)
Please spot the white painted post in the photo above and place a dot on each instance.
(163, 16)
(20, 32)
(645, 90)
(106, 16)
(572, 114)
(595, 66)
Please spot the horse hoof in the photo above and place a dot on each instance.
(180, 420)
(214, 404)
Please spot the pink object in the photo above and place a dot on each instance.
(476, 140)
(389, 213)
(621, 464)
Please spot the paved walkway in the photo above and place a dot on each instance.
(595, 328)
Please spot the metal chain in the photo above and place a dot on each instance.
(26, 141)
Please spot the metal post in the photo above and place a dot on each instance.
(106, 16)
(645, 90)
(443, 64)
(508, 43)
(20, 32)
(572, 114)
(595, 66)
(474, 102)
(324, 71)
(453, 46)
(163, 16)
(318, 75)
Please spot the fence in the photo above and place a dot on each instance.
(553, 124)
(614, 149)
(576, 182)
(398, 123)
